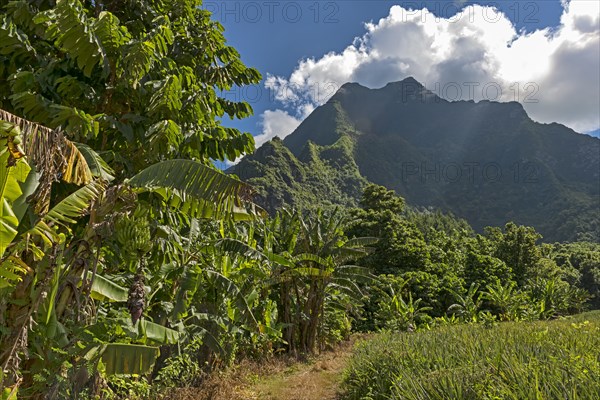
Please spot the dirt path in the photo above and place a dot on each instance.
(282, 378)
(318, 379)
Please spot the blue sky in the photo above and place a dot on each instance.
(279, 37)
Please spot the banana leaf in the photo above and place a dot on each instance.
(129, 359)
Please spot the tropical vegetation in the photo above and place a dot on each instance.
(130, 265)
(532, 360)
(487, 162)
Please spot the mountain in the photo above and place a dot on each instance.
(487, 162)
(595, 133)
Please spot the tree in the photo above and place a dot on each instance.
(505, 299)
(324, 253)
(485, 270)
(378, 198)
(314, 273)
(36, 266)
(580, 262)
(400, 314)
(401, 246)
(136, 81)
(516, 246)
(125, 87)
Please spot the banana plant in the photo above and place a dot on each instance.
(119, 79)
(403, 314)
(31, 156)
(12, 188)
(505, 298)
(196, 189)
(467, 306)
(308, 260)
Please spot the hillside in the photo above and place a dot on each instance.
(324, 175)
(487, 162)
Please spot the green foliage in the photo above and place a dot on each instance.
(375, 293)
(379, 199)
(337, 324)
(401, 246)
(401, 315)
(12, 179)
(516, 246)
(129, 263)
(460, 272)
(139, 81)
(134, 388)
(485, 270)
(106, 290)
(437, 155)
(195, 189)
(474, 362)
(505, 299)
(182, 370)
(137, 84)
(582, 261)
(323, 177)
(309, 256)
(128, 359)
(555, 297)
(467, 305)
(435, 224)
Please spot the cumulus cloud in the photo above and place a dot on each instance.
(276, 123)
(553, 72)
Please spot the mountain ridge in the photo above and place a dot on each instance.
(487, 162)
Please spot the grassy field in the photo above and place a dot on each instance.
(557, 359)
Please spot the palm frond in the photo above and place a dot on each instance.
(45, 148)
(98, 167)
(106, 290)
(129, 359)
(76, 204)
(157, 333)
(12, 270)
(232, 290)
(361, 241)
(238, 247)
(197, 189)
(13, 175)
(313, 258)
(65, 212)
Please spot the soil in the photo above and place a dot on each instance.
(317, 379)
(281, 378)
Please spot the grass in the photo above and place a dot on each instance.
(557, 359)
(282, 377)
(317, 379)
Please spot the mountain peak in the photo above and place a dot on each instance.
(349, 88)
(409, 89)
(351, 85)
(453, 155)
(406, 81)
(408, 85)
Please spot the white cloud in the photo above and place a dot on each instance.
(553, 72)
(276, 123)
